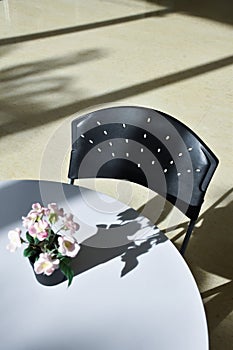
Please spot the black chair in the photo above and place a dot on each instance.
(147, 147)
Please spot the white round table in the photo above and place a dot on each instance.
(132, 290)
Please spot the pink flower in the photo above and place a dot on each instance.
(46, 264)
(36, 213)
(69, 224)
(54, 212)
(39, 230)
(38, 209)
(68, 246)
(29, 220)
(54, 209)
(15, 241)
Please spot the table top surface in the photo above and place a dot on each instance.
(132, 289)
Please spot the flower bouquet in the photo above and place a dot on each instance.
(49, 239)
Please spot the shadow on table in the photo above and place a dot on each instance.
(118, 240)
(133, 236)
(17, 197)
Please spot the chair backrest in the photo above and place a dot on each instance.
(147, 147)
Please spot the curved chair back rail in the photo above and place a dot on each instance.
(147, 147)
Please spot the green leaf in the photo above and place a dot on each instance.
(65, 259)
(67, 270)
(29, 238)
(59, 256)
(36, 241)
(29, 251)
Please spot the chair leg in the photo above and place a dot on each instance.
(187, 236)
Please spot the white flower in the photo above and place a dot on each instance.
(54, 209)
(54, 212)
(39, 230)
(36, 213)
(68, 246)
(15, 241)
(37, 208)
(29, 220)
(69, 224)
(46, 264)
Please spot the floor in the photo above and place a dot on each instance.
(65, 57)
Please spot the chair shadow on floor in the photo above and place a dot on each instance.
(210, 249)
